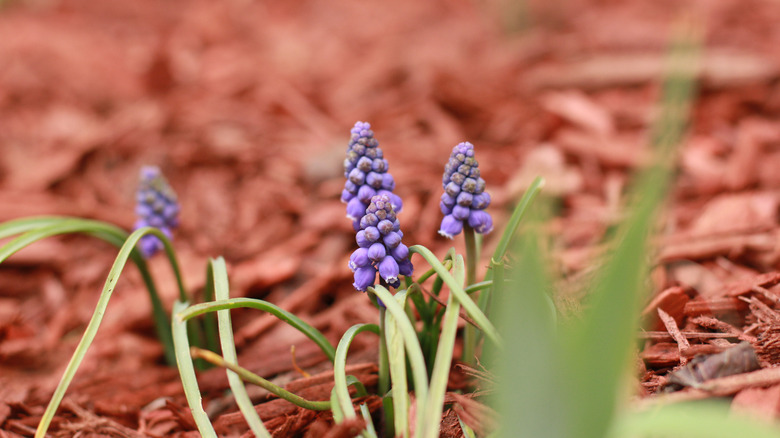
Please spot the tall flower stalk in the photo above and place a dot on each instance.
(463, 204)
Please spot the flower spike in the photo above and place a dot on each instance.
(464, 199)
(156, 207)
(366, 171)
(380, 248)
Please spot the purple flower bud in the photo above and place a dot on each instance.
(369, 220)
(346, 196)
(358, 259)
(149, 245)
(156, 221)
(362, 241)
(365, 193)
(364, 277)
(355, 209)
(372, 234)
(156, 207)
(458, 178)
(405, 267)
(450, 226)
(392, 239)
(464, 198)
(385, 226)
(364, 164)
(376, 252)
(481, 221)
(388, 269)
(469, 185)
(351, 187)
(143, 210)
(448, 200)
(388, 183)
(481, 201)
(452, 189)
(460, 212)
(357, 177)
(400, 252)
(379, 165)
(395, 200)
(480, 185)
(374, 179)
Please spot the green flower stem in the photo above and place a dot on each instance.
(359, 386)
(471, 308)
(506, 238)
(161, 321)
(97, 317)
(441, 368)
(397, 362)
(289, 318)
(187, 373)
(384, 376)
(369, 431)
(470, 289)
(419, 373)
(340, 389)
(209, 322)
(514, 221)
(470, 335)
(472, 254)
(250, 377)
(218, 282)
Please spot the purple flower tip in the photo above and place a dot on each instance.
(358, 259)
(364, 277)
(367, 173)
(481, 221)
(450, 227)
(388, 269)
(157, 207)
(464, 199)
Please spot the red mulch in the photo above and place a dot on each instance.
(246, 106)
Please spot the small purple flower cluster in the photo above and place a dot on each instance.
(366, 173)
(464, 198)
(380, 248)
(156, 207)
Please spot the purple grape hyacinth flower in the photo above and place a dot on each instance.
(366, 171)
(156, 207)
(380, 248)
(464, 199)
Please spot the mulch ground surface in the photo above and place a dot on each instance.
(247, 105)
